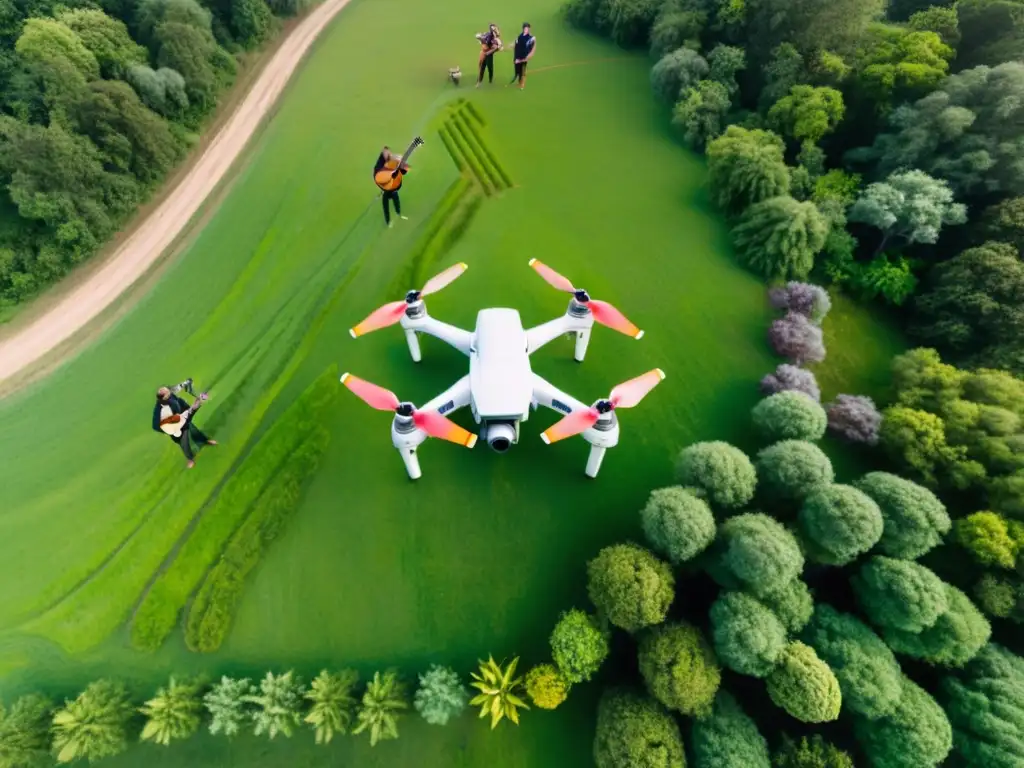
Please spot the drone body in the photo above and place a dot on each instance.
(501, 388)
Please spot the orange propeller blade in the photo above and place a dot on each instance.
(573, 424)
(387, 315)
(553, 279)
(631, 392)
(436, 425)
(371, 394)
(609, 316)
(439, 281)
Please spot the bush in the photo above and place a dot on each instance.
(675, 30)
(811, 301)
(813, 752)
(953, 640)
(868, 673)
(634, 731)
(797, 339)
(546, 686)
(723, 472)
(791, 378)
(25, 732)
(900, 594)
(748, 637)
(746, 167)
(631, 21)
(915, 735)
(792, 604)
(173, 714)
(854, 418)
(677, 71)
(999, 597)
(94, 725)
(331, 704)
(677, 524)
(578, 646)
(679, 668)
(630, 586)
(778, 238)
(986, 536)
(381, 707)
(789, 416)
(226, 705)
(728, 738)
(277, 706)
(757, 553)
(792, 469)
(441, 695)
(915, 521)
(804, 686)
(839, 523)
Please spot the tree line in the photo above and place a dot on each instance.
(99, 100)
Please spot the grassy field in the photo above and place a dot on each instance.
(579, 170)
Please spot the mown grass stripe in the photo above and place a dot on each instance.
(484, 156)
(506, 180)
(449, 144)
(471, 160)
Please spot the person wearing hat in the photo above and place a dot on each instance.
(525, 47)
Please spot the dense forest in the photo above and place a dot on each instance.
(99, 99)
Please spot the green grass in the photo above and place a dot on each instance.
(372, 570)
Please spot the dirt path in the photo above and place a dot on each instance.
(143, 248)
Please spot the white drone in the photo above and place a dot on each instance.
(500, 387)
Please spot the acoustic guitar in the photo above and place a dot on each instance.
(176, 423)
(389, 178)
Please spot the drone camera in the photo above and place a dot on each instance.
(501, 435)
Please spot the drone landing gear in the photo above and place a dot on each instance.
(594, 460)
(414, 345)
(412, 463)
(582, 340)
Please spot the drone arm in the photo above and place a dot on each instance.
(540, 335)
(550, 396)
(449, 334)
(455, 397)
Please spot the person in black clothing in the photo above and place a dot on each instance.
(392, 194)
(525, 46)
(490, 44)
(168, 405)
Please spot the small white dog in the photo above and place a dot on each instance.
(455, 75)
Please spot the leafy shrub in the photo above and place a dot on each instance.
(634, 730)
(677, 71)
(677, 524)
(679, 668)
(868, 673)
(630, 586)
(839, 523)
(226, 705)
(382, 704)
(792, 604)
(499, 691)
(546, 686)
(441, 695)
(986, 536)
(811, 301)
(854, 418)
(915, 520)
(900, 594)
(916, 734)
(791, 378)
(797, 339)
(804, 686)
(953, 640)
(792, 469)
(675, 30)
(778, 238)
(173, 714)
(757, 553)
(332, 704)
(25, 732)
(746, 167)
(94, 725)
(813, 752)
(720, 470)
(789, 416)
(1000, 597)
(728, 738)
(631, 20)
(748, 637)
(277, 706)
(578, 646)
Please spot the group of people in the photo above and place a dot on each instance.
(522, 50)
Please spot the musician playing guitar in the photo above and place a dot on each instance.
(173, 416)
(388, 173)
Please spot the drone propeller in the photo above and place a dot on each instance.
(391, 313)
(431, 422)
(625, 395)
(603, 312)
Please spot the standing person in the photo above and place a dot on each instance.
(490, 44)
(167, 411)
(525, 47)
(389, 195)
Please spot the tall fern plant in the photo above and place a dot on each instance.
(383, 702)
(332, 704)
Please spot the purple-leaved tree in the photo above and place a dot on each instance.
(791, 377)
(811, 301)
(797, 338)
(854, 418)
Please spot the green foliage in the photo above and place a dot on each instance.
(883, 276)
(498, 688)
(106, 38)
(747, 636)
(677, 29)
(677, 524)
(940, 20)
(634, 731)
(679, 668)
(94, 725)
(676, 72)
(916, 734)
(25, 732)
(992, 32)
(789, 416)
(43, 40)
(804, 686)
(1000, 597)
(546, 686)
(382, 704)
(915, 521)
(721, 471)
(701, 114)
(813, 752)
(630, 586)
(755, 552)
(728, 738)
(837, 186)
(899, 62)
(985, 704)
(746, 167)
(839, 523)
(251, 21)
(725, 62)
(226, 704)
(868, 673)
(778, 238)
(578, 645)
(807, 113)
(986, 536)
(785, 69)
(916, 441)
(332, 703)
(1003, 222)
(833, 25)
(173, 714)
(441, 695)
(953, 640)
(792, 604)
(277, 705)
(791, 469)
(900, 594)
